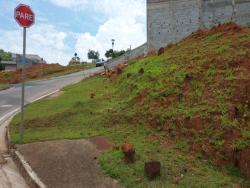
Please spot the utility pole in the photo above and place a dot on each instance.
(23, 84)
(42, 67)
(113, 43)
(25, 22)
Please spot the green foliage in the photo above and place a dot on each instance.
(5, 56)
(219, 144)
(113, 54)
(94, 55)
(183, 146)
(3, 86)
(241, 144)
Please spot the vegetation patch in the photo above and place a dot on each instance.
(189, 108)
(3, 86)
(39, 71)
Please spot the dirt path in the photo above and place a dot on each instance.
(66, 164)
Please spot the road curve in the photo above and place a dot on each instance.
(10, 99)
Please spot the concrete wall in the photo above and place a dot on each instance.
(171, 20)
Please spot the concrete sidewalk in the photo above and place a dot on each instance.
(67, 163)
(9, 174)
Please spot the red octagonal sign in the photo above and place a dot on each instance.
(24, 15)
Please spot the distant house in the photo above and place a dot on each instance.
(16, 61)
(9, 65)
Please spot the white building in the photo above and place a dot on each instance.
(16, 61)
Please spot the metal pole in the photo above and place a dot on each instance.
(234, 11)
(21, 128)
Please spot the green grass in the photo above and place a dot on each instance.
(155, 110)
(3, 86)
(75, 115)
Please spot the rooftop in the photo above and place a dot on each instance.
(8, 62)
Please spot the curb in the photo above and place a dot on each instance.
(29, 175)
(5, 88)
(25, 169)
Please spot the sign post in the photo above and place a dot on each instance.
(25, 17)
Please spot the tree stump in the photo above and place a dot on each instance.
(92, 95)
(161, 51)
(152, 169)
(129, 152)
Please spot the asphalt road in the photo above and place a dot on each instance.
(10, 99)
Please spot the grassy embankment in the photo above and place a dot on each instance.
(3, 86)
(188, 108)
(41, 71)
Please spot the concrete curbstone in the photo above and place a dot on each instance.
(24, 168)
(27, 172)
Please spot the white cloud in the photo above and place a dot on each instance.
(126, 23)
(44, 40)
(125, 32)
(120, 8)
(71, 4)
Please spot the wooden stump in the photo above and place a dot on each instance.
(161, 51)
(129, 152)
(152, 169)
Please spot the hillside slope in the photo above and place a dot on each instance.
(189, 103)
(198, 91)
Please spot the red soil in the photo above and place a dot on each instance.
(35, 71)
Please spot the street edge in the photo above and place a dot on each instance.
(24, 168)
(30, 176)
(5, 88)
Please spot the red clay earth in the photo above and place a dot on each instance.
(141, 96)
(189, 128)
(244, 161)
(114, 72)
(129, 152)
(227, 27)
(227, 154)
(101, 143)
(35, 71)
(197, 125)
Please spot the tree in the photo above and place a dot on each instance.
(109, 53)
(94, 55)
(113, 54)
(6, 56)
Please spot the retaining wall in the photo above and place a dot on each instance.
(171, 20)
(133, 54)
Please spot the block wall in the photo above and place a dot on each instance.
(171, 20)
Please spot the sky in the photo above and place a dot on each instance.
(64, 27)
